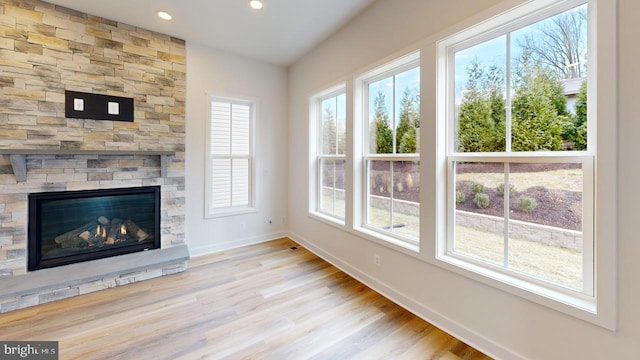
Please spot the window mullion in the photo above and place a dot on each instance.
(231, 154)
(394, 126)
(506, 197)
(508, 96)
(334, 187)
(367, 183)
(319, 168)
(391, 195)
(335, 121)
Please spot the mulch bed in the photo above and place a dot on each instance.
(558, 208)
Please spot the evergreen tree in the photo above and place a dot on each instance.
(481, 116)
(580, 122)
(409, 141)
(383, 138)
(537, 110)
(328, 132)
(406, 131)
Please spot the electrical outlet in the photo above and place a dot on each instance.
(376, 259)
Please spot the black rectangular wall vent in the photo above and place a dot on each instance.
(79, 105)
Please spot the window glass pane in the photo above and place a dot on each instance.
(545, 230)
(479, 211)
(381, 116)
(480, 105)
(394, 197)
(379, 194)
(332, 193)
(220, 128)
(240, 181)
(221, 183)
(241, 120)
(341, 117)
(549, 61)
(406, 198)
(333, 125)
(407, 114)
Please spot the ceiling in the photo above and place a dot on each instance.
(280, 33)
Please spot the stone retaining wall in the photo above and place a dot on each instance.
(569, 239)
(548, 235)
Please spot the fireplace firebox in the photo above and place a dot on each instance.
(73, 226)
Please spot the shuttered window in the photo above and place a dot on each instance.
(230, 156)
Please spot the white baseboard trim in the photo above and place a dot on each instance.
(423, 311)
(213, 248)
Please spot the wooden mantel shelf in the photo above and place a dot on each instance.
(19, 157)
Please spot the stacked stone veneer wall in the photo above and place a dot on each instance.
(46, 49)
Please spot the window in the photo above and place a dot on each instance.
(230, 156)
(391, 147)
(520, 150)
(331, 155)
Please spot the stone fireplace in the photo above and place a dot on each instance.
(47, 50)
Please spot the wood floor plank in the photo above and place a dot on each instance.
(268, 301)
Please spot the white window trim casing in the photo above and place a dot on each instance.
(597, 304)
(233, 210)
(315, 117)
(361, 155)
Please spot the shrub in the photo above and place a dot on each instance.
(526, 203)
(460, 197)
(500, 189)
(477, 188)
(481, 200)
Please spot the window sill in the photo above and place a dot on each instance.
(229, 212)
(568, 302)
(339, 223)
(389, 241)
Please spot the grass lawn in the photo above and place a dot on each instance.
(553, 263)
(565, 179)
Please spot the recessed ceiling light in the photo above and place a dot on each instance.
(256, 4)
(164, 15)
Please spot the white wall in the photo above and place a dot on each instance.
(504, 325)
(229, 75)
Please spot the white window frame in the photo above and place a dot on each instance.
(209, 157)
(316, 156)
(361, 144)
(596, 303)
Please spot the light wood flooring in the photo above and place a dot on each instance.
(268, 301)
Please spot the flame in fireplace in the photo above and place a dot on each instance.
(98, 230)
(123, 229)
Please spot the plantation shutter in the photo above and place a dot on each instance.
(230, 154)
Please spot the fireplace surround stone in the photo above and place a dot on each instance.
(51, 49)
